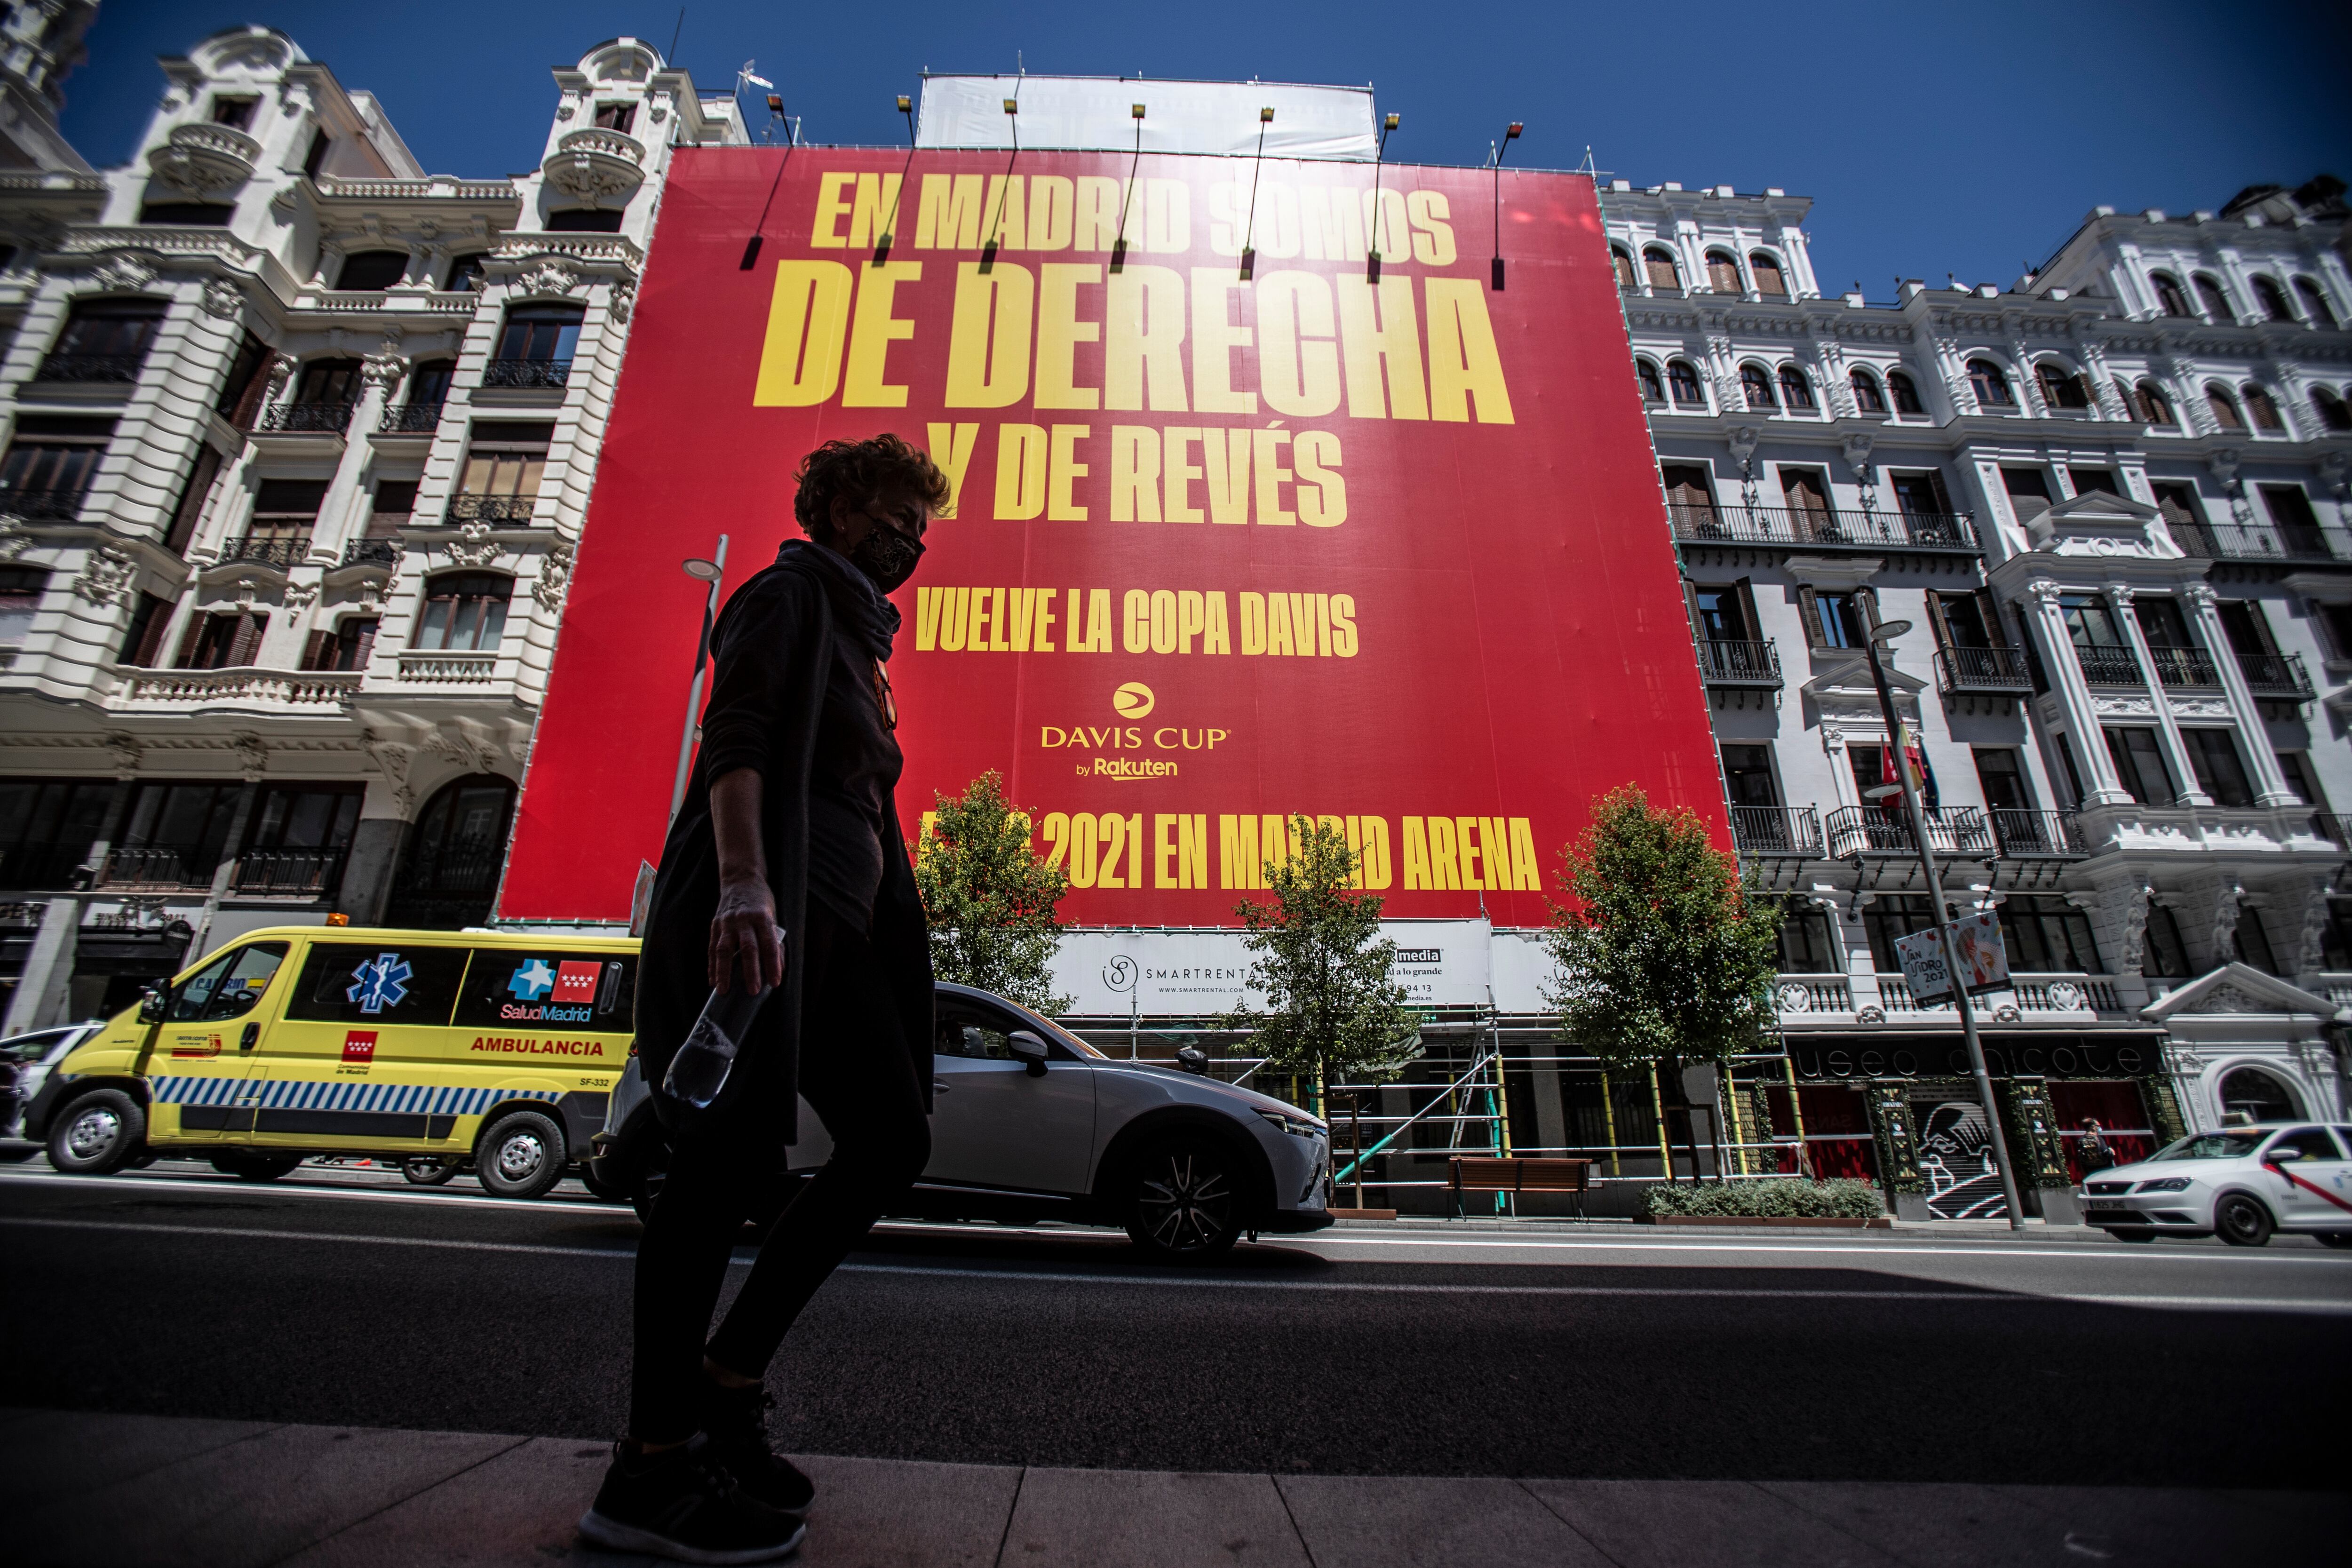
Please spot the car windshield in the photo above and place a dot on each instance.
(2212, 1146)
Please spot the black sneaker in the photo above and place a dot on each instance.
(735, 1425)
(681, 1505)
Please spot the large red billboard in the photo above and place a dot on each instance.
(1232, 542)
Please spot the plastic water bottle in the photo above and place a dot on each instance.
(698, 1073)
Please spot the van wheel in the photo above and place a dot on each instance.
(521, 1156)
(427, 1171)
(98, 1134)
(1183, 1199)
(249, 1166)
(2242, 1221)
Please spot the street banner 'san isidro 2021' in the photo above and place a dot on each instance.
(1230, 545)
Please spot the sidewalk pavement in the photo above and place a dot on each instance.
(147, 1491)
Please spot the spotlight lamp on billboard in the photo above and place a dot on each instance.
(1380, 154)
(1510, 134)
(1249, 227)
(1127, 197)
(891, 223)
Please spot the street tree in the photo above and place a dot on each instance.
(989, 898)
(1332, 1011)
(1661, 960)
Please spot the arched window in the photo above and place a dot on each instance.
(2210, 294)
(2224, 406)
(2062, 388)
(2169, 298)
(1755, 382)
(2332, 414)
(1722, 272)
(2265, 411)
(463, 611)
(367, 270)
(1990, 385)
(1659, 262)
(1796, 390)
(1905, 395)
(1770, 281)
(2259, 1095)
(451, 870)
(1867, 397)
(1682, 380)
(1654, 385)
(2315, 301)
(1623, 263)
(2272, 298)
(466, 273)
(2154, 408)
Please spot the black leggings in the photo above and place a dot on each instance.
(855, 1069)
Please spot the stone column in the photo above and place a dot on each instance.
(2167, 731)
(2100, 784)
(2270, 781)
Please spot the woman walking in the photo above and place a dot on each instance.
(785, 867)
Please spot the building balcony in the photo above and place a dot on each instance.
(280, 554)
(2109, 666)
(2186, 669)
(1776, 830)
(1739, 663)
(120, 370)
(2276, 675)
(202, 159)
(1968, 671)
(2038, 834)
(179, 691)
(527, 374)
(158, 868)
(2037, 995)
(501, 512)
(441, 668)
(308, 418)
(410, 420)
(42, 506)
(289, 873)
(1859, 830)
(1710, 524)
(2232, 542)
(595, 165)
(371, 552)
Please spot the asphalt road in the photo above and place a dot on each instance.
(1832, 1357)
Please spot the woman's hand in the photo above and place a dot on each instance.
(745, 938)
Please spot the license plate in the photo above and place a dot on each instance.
(2102, 1208)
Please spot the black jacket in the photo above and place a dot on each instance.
(773, 648)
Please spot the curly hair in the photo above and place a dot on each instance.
(860, 471)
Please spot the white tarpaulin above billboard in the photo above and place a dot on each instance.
(1095, 113)
(1202, 972)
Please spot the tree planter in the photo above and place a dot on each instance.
(1790, 1222)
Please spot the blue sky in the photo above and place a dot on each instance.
(1961, 139)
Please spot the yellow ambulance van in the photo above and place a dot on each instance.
(476, 1047)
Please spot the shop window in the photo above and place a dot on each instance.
(2262, 408)
(2332, 414)
(2139, 765)
(1722, 273)
(142, 644)
(2170, 299)
(221, 640)
(584, 220)
(2315, 303)
(1904, 393)
(1654, 385)
(1756, 385)
(2272, 299)
(1867, 397)
(103, 339)
(1683, 382)
(463, 611)
(2062, 388)
(1658, 262)
(1990, 384)
(2224, 408)
(2220, 772)
(1796, 390)
(2216, 304)
(367, 271)
(2163, 955)
(2044, 933)
(1770, 281)
(46, 828)
(50, 463)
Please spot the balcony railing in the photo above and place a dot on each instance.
(371, 552)
(2276, 675)
(1856, 830)
(121, 369)
(412, 418)
(1739, 663)
(2190, 667)
(289, 872)
(1776, 830)
(2037, 834)
(1710, 522)
(2109, 666)
(2062, 993)
(278, 552)
(159, 866)
(1966, 669)
(526, 373)
(512, 510)
(308, 418)
(42, 506)
(2234, 541)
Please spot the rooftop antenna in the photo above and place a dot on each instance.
(1372, 259)
(1013, 119)
(1586, 168)
(1118, 246)
(674, 32)
(1509, 135)
(889, 224)
(1249, 228)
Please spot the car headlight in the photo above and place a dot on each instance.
(2169, 1185)
(1297, 1124)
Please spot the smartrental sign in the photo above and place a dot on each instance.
(1230, 544)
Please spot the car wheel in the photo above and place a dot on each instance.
(2132, 1232)
(1183, 1199)
(521, 1156)
(98, 1134)
(2338, 1239)
(427, 1169)
(2242, 1221)
(247, 1166)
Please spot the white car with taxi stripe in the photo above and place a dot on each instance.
(2241, 1183)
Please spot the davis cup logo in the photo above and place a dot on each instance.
(1133, 700)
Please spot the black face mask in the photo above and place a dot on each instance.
(886, 556)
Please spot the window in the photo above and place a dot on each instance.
(2002, 780)
(1723, 616)
(1893, 915)
(2264, 410)
(1682, 380)
(2243, 623)
(2177, 502)
(316, 157)
(2225, 409)
(1624, 265)
(1905, 395)
(1990, 385)
(2294, 767)
(1840, 621)
(2163, 955)
(330, 381)
(174, 834)
(346, 646)
(2213, 758)
(1689, 501)
(389, 509)
(1755, 382)
(2257, 1096)
(452, 868)
(2335, 936)
(499, 482)
(2298, 526)
(2100, 646)
(1770, 281)
(2044, 933)
(142, 644)
(187, 214)
(2169, 298)
(2161, 622)
(228, 987)
(333, 987)
(1796, 390)
(536, 346)
(1807, 493)
(2139, 765)
(2253, 942)
(2065, 754)
(1654, 385)
(2062, 388)
(305, 816)
(190, 507)
(2095, 481)
(584, 220)
(1659, 263)
(1747, 773)
(1867, 397)
(221, 640)
(284, 513)
(616, 117)
(20, 597)
(50, 463)
(2332, 414)
(236, 113)
(2273, 299)
(463, 611)
(1962, 620)
(2029, 492)
(1722, 273)
(103, 339)
(369, 270)
(2315, 303)
(2154, 408)
(1806, 947)
(47, 828)
(2216, 304)
(428, 383)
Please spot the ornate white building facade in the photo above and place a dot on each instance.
(298, 440)
(2110, 501)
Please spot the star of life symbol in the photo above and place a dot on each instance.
(531, 982)
(382, 981)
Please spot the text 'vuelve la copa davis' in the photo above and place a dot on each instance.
(1162, 620)
(1440, 854)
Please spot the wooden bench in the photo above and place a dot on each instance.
(1473, 1174)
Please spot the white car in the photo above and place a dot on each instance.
(25, 1063)
(1030, 1122)
(2241, 1183)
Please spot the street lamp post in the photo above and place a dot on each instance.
(1881, 633)
(713, 572)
